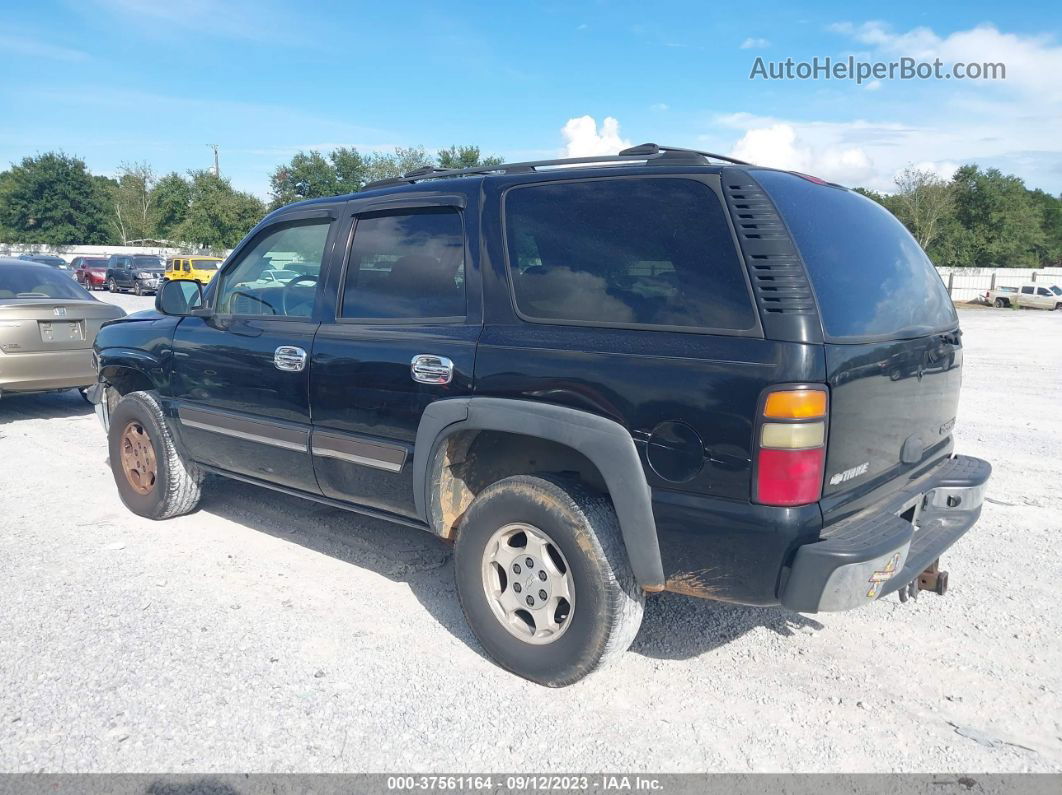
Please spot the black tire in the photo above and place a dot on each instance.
(175, 490)
(608, 604)
(112, 286)
(1000, 303)
(137, 289)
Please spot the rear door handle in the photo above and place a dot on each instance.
(426, 368)
(289, 358)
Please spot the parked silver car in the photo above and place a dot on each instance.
(48, 323)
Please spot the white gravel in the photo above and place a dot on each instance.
(265, 633)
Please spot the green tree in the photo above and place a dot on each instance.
(132, 202)
(1050, 208)
(170, 201)
(218, 216)
(1004, 225)
(53, 199)
(307, 176)
(924, 202)
(465, 157)
(351, 169)
(389, 166)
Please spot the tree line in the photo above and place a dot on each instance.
(978, 217)
(53, 199)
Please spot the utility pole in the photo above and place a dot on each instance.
(217, 170)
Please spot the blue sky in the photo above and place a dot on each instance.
(132, 80)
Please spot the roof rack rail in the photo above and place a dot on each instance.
(648, 153)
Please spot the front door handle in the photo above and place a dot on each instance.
(290, 359)
(427, 368)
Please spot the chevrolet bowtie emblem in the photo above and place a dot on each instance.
(882, 575)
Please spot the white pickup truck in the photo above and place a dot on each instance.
(1030, 296)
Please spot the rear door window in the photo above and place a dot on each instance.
(1027, 290)
(870, 277)
(626, 252)
(406, 264)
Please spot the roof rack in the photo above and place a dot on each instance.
(647, 153)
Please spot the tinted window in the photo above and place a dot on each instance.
(299, 247)
(1056, 290)
(619, 252)
(407, 264)
(147, 262)
(871, 278)
(1043, 291)
(1027, 290)
(36, 281)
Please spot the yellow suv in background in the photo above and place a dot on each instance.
(197, 269)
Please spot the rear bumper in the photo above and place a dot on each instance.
(44, 370)
(876, 552)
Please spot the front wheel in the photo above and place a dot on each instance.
(137, 289)
(112, 285)
(153, 479)
(544, 581)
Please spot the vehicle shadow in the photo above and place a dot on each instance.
(675, 627)
(47, 406)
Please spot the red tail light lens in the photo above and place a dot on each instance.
(791, 441)
(789, 477)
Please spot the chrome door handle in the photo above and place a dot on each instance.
(427, 368)
(289, 358)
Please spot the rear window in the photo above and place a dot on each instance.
(35, 281)
(871, 279)
(653, 252)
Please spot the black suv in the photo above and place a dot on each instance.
(137, 272)
(650, 373)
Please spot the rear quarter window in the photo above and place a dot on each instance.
(870, 277)
(623, 252)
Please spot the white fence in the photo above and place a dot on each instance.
(966, 284)
(69, 252)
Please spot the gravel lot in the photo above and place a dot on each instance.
(266, 633)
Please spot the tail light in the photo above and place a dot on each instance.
(791, 446)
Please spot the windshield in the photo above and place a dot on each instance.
(33, 281)
(205, 264)
(150, 263)
(94, 263)
(55, 262)
(1056, 290)
(870, 277)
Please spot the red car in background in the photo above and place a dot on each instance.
(90, 272)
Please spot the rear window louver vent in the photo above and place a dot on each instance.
(774, 265)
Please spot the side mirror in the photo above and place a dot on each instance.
(179, 298)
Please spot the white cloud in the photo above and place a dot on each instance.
(660, 107)
(753, 43)
(945, 169)
(779, 146)
(583, 139)
(1033, 63)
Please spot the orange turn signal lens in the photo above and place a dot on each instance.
(797, 404)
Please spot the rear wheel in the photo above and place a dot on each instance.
(153, 478)
(543, 579)
(1000, 303)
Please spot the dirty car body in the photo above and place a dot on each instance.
(760, 370)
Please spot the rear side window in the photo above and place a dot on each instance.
(406, 264)
(871, 279)
(653, 252)
(1027, 290)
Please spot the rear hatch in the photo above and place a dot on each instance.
(893, 345)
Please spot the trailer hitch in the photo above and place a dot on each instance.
(932, 579)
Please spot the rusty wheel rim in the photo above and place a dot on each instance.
(138, 458)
